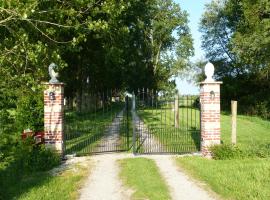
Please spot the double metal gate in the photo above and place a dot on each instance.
(149, 122)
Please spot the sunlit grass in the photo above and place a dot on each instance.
(251, 131)
(143, 177)
(232, 179)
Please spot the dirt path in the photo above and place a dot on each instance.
(149, 142)
(111, 140)
(103, 182)
(180, 185)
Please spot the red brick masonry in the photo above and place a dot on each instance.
(53, 116)
(210, 115)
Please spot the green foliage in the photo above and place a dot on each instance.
(30, 111)
(43, 185)
(22, 159)
(35, 158)
(236, 40)
(228, 152)
(225, 152)
(97, 45)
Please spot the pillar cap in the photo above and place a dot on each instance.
(47, 83)
(211, 82)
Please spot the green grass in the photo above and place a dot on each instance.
(143, 177)
(251, 131)
(45, 186)
(232, 179)
(84, 131)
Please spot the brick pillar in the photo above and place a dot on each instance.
(210, 115)
(53, 116)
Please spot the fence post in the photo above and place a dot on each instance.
(54, 113)
(176, 111)
(210, 111)
(134, 121)
(127, 121)
(234, 116)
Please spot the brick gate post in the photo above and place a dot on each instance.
(54, 113)
(210, 111)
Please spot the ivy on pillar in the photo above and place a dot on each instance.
(210, 111)
(54, 112)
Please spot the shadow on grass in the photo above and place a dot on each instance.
(87, 140)
(196, 136)
(14, 182)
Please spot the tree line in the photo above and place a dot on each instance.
(97, 45)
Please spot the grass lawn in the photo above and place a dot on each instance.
(251, 131)
(232, 179)
(143, 177)
(44, 186)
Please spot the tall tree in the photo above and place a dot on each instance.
(236, 39)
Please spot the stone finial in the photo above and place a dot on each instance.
(209, 72)
(52, 73)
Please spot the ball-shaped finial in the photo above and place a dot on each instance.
(209, 72)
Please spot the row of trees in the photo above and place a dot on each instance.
(236, 39)
(97, 44)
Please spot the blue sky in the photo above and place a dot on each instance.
(195, 9)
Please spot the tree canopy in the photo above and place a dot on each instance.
(97, 44)
(236, 39)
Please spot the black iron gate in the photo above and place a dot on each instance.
(101, 125)
(165, 123)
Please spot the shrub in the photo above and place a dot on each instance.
(226, 152)
(36, 158)
(260, 151)
(30, 112)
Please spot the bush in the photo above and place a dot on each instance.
(226, 152)
(25, 159)
(36, 158)
(261, 151)
(30, 112)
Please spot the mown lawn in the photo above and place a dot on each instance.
(232, 179)
(45, 186)
(143, 177)
(251, 131)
